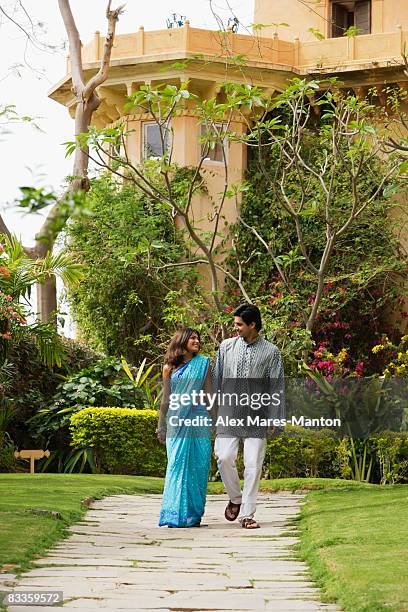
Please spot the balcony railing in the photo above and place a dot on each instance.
(328, 53)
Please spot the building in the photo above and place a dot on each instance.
(299, 38)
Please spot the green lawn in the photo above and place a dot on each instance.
(25, 535)
(355, 541)
(354, 536)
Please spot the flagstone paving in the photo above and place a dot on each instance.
(118, 559)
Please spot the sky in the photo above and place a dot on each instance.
(37, 158)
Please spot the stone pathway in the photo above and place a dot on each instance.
(118, 559)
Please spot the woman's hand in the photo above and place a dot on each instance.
(161, 435)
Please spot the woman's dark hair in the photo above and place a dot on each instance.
(175, 352)
(249, 313)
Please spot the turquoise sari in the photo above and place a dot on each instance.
(188, 450)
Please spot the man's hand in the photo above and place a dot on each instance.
(273, 432)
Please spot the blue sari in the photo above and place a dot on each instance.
(188, 450)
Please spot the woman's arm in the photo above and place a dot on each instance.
(164, 405)
(209, 391)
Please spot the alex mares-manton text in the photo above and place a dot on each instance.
(252, 421)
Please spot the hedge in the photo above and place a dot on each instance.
(124, 442)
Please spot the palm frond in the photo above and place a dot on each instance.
(14, 248)
(6, 372)
(49, 344)
(62, 265)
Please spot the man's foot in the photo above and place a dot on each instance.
(249, 523)
(232, 511)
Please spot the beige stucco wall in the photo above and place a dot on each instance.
(385, 16)
(395, 12)
(296, 14)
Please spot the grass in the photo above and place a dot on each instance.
(353, 535)
(355, 542)
(25, 535)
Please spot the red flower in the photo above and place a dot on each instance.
(360, 368)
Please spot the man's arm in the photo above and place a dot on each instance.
(216, 374)
(277, 378)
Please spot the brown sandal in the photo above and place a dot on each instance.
(249, 523)
(232, 511)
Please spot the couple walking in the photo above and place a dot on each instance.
(185, 425)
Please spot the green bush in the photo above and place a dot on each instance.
(33, 384)
(302, 454)
(7, 460)
(118, 305)
(102, 383)
(392, 455)
(123, 440)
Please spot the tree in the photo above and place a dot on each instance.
(328, 159)
(87, 102)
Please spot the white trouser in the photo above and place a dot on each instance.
(226, 451)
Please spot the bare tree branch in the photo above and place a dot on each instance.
(102, 74)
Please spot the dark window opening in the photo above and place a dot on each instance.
(350, 13)
(152, 141)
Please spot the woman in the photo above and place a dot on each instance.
(188, 446)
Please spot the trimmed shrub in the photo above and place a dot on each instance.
(123, 440)
(302, 453)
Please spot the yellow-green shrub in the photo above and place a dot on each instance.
(123, 439)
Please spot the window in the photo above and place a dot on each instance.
(152, 142)
(212, 147)
(350, 13)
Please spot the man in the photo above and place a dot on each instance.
(242, 363)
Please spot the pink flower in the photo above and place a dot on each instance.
(360, 368)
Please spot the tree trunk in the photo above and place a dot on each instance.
(87, 104)
(47, 301)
